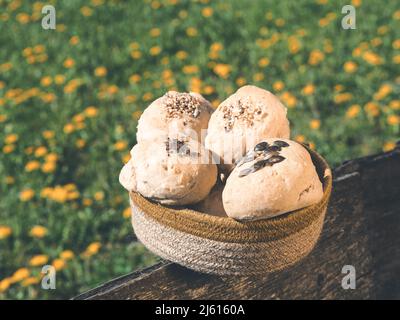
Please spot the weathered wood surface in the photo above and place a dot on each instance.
(362, 228)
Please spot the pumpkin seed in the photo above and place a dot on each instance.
(261, 146)
(275, 159)
(281, 143)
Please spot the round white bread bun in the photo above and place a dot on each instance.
(173, 113)
(171, 173)
(212, 204)
(250, 115)
(278, 176)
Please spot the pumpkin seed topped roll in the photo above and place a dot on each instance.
(276, 177)
(173, 113)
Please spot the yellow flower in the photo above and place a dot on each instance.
(135, 78)
(11, 138)
(99, 195)
(289, 99)
(40, 151)
(353, 111)
(396, 15)
(59, 79)
(5, 232)
(69, 63)
(181, 55)
(191, 32)
(8, 148)
(190, 69)
(48, 167)
(278, 86)
(126, 158)
(46, 81)
(147, 96)
(120, 145)
(207, 12)
(383, 91)
(30, 281)
(300, 138)
(395, 104)
(38, 231)
(26, 195)
(80, 143)
(58, 264)
(155, 32)
(20, 274)
(316, 56)
(343, 97)
(389, 146)
(258, 76)
(67, 255)
(38, 260)
(216, 46)
(372, 58)
(48, 134)
(263, 62)
(92, 249)
(279, 22)
(315, 124)
(32, 165)
(294, 44)
(127, 213)
(100, 71)
(350, 67)
(154, 51)
(51, 157)
(208, 90)
(222, 70)
(371, 109)
(9, 180)
(136, 54)
(78, 118)
(393, 120)
(87, 202)
(23, 18)
(396, 59)
(5, 284)
(86, 11)
(241, 81)
(68, 128)
(356, 3)
(91, 111)
(74, 40)
(308, 90)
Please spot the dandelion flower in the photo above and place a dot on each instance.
(100, 71)
(32, 165)
(315, 124)
(350, 67)
(91, 111)
(393, 120)
(308, 90)
(389, 146)
(38, 231)
(207, 12)
(69, 63)
(127, 213)
(58, 264)
(20, 274)
(191, 32)
(222, 70)
(38, 260)
(155, 51)
(67, 255)
(353, 111)
(5, 232)
(30, 281)
(26, 195)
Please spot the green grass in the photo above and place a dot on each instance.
(145, 48)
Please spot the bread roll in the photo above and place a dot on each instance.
(246, 117)
(276, 177)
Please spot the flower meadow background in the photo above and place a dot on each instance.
(70, 99)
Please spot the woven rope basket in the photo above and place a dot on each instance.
(224, 246)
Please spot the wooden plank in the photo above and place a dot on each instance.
(361, 229)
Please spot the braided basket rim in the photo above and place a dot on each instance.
(226, 229)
